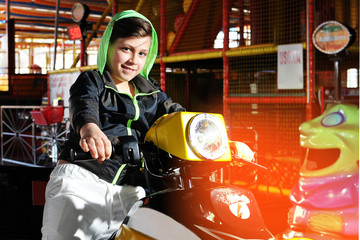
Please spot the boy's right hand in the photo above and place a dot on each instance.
(94, 140)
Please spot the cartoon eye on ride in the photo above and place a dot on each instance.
(333, 119)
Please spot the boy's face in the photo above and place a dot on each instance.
(126, 57)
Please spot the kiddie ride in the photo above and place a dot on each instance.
(326, 198)
(178, 157)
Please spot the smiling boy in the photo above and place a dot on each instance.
(84, 199)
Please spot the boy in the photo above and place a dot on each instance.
(83, 198)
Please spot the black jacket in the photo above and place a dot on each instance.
(94, 98)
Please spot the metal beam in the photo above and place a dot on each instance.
(56, 30)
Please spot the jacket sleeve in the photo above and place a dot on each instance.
(84, 100)
(166, 104)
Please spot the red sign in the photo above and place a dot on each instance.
(332, 37)
(74, 33)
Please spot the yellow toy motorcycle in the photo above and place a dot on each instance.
(178, 159)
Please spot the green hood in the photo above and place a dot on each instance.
(105, 39)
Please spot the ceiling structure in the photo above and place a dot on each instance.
(37, 18)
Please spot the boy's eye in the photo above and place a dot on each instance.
(142, 54)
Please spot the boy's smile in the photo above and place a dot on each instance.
(127, 57)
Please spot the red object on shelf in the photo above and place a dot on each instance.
(48, 115)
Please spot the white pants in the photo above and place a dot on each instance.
(79, 205)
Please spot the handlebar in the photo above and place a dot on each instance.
(127, 148)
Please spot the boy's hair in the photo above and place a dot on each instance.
(130, 27)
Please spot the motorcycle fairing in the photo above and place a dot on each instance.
(170, 133)
(147, 223)
(207, 211)
(125, 232)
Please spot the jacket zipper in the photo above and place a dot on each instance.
(137, 114)
(128, 125)
(136, 105)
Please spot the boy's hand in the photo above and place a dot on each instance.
(95, 141)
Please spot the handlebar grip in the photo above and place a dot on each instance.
(79, 154)
(127, 148)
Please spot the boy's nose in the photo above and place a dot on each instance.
(133, 58)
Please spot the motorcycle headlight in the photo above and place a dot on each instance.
(207, 136)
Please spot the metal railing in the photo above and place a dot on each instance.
(27, 144)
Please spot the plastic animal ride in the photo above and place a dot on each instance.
(326, 198)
